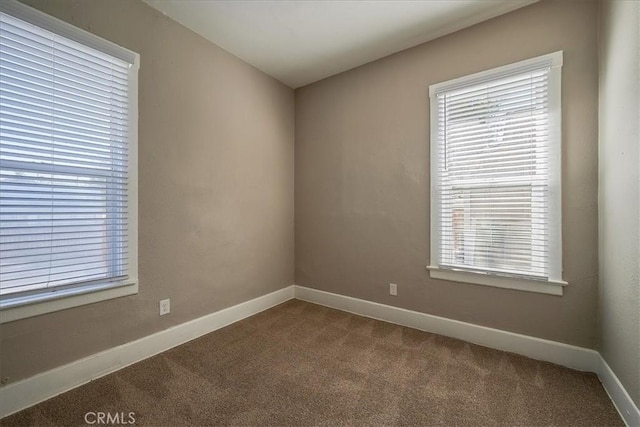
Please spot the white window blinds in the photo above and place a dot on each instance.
(64, 161)
(496, 171)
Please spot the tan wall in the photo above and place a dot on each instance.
(215, 184)
(362, 176)
(619, 214)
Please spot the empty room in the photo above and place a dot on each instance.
(320, 212)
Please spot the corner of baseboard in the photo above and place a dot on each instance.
(580, 358)
(621, 399)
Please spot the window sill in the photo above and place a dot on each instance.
(13, 309)
(550, 287)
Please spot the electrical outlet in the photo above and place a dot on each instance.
(165, 307)
(393, 289)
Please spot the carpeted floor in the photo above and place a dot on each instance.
(301, 364)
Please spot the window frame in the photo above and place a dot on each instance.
(554, 284)
(28, 304)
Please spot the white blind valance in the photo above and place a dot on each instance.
(63, 161)
(495, 173)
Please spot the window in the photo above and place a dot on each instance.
(495, 177)
(68, 160)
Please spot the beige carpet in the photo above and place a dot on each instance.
(302, 364)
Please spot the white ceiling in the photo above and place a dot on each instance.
(299, 42)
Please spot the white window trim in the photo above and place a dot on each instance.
(522, 284)
(23, 306)
(554, 285)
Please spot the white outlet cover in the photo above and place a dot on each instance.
(393, 289)
(165, 307)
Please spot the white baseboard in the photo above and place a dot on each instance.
(618, 394)
(536, 348)
(579, 358)
(28, 392)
